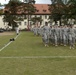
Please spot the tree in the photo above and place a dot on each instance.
(72, 9)
(29, 9)
(36, 20)
(11, 7)
(10, 13)
(57, 9)
(10, 20)
(70, 12)
(0, 4)
(27, 1)
(1, 9)
(15, 8)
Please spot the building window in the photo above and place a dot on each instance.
(44, 23)
(4, 23)
(40, 16)
(35, 15)
(25, 17)
(24, 23)
(19, 23)
(37, 10)
(40, 23)
(30, 23)
(45, 16)
(30, 16)
(44, 10)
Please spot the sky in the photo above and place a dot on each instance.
(37, 1)
(43, 1)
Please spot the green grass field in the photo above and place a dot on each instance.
(28, 56)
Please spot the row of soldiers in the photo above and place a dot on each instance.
(57, 35)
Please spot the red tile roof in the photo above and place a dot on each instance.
(42, 9)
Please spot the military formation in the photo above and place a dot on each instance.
(56, 35)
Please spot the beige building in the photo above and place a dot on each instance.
(1, 22)
(42, 11)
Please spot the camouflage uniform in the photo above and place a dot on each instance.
(71, 37)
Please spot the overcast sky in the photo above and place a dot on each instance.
(43, 1)
(37, 1)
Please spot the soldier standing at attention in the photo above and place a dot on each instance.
(52, 35)
(65, 32)
(61, 35)
(71, 37)
(57, 36)
(35, 30)
(75, 33)
(45, 35)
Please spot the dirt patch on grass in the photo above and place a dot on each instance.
(6, 33)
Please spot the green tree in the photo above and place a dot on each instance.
(57, 9)
(15, 8)
(10, 20)
(36, 20)
(1, 10)
(12, 6)
(0, 4)
(72, 9)
(9, 13)
(29, 9)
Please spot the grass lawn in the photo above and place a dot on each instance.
(28, 45)
(5, 38)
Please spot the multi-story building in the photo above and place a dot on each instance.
(42, 11)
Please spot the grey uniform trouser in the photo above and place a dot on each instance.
(35, 32)
(45, 38)
(52, 39)
(61, 39)
(64, 39)
(71, 40)
(56, 39)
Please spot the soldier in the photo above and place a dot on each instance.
(52, 34)
(35, 30)
(56, 35)
(71, 37)
(38, 30)
(61, 35)
(65, 30)
(45, 35)
(41, 30)
(17, 30)
(75, 33)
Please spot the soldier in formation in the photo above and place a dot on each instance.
(57, 35)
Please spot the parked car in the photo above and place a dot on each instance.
(1, 30)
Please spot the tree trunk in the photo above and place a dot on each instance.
(60, 22)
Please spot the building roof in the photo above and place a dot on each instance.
(42, 9)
